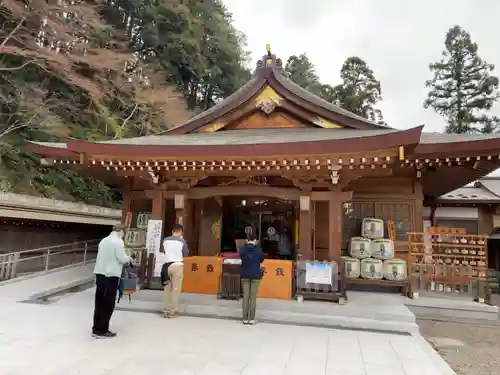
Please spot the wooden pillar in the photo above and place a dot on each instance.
(127, 201)
(184, 215)
(418, 226)
(305, 228)
(180, 203)
(158, 205)
(335, 221)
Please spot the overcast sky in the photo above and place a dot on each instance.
(398, 39)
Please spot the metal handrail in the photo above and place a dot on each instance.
(39, 249)
(10, 262)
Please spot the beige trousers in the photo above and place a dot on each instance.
(172, 290)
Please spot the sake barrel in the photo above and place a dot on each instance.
(371, 269)
(372, 228)
(352, 268)
(360, 247)
(382, 248)
(395, 270)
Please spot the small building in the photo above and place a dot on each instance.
(274, 158)
(28, 222)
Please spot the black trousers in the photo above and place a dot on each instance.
(105, 297)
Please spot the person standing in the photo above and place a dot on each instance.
(175, 249)
(251, 257)
(111, 257)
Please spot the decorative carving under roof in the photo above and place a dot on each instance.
(268, 106)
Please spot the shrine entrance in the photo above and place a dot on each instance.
(273, 221)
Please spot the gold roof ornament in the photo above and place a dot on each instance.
(269, 60)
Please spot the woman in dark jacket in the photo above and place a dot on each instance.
(251, 257)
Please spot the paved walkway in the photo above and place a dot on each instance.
(55, 339)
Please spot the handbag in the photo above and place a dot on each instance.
(127, 285)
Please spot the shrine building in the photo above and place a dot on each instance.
(275, 158)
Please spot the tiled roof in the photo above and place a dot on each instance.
(278, 135)
(431, 138)
(470, 194)
(303, 93)
(253, 136)
(491, 184)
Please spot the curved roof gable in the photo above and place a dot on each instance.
(272, 83)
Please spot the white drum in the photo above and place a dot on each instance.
(371, 269)
(395, 270)
(360, 247)
(382, 248)
(135, 238)
(352, 269)
(372, 228)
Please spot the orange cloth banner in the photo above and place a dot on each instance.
(202, 275)
(277, 280)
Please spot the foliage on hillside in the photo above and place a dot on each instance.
(100, 70)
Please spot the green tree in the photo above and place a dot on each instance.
(359, 91)
(302, 71)
(463, 89)
(99, 70)
(196, 46)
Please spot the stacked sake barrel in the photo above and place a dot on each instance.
(371, 255)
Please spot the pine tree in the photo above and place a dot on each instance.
(302, 71)
(360, 91)
(463, 89)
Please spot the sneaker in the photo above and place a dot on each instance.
(245, 322)
(251, 322)
(100, 335)
(166, 315)
(173, 315)
(110, 334)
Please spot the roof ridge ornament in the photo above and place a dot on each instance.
(269, 60)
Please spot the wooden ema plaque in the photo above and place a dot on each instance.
(202, 275)
(448, 260)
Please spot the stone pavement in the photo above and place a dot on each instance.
(53, 340)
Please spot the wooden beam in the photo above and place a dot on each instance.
(244, 190)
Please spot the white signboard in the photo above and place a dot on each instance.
(153, 236)
(318, 273)
(159, 262)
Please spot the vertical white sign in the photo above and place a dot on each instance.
(153, 236)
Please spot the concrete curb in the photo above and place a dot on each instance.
(60, 288)
(43, 273)
(434, 356)
(281, 317)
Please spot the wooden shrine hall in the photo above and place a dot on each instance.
(272, 158)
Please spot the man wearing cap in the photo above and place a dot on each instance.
(111, 257)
